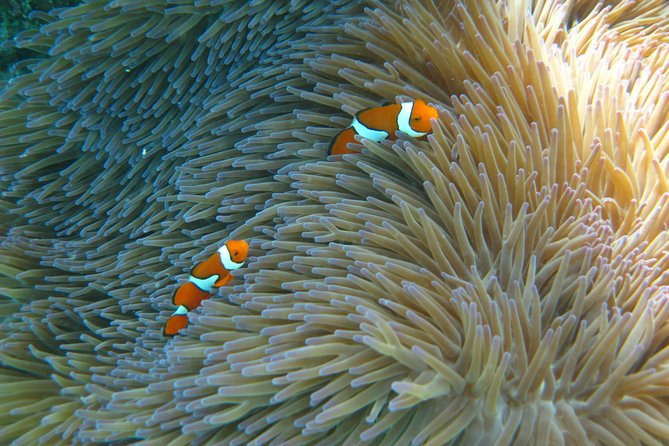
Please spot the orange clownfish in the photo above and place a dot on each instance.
(379, 123)
(212, 273)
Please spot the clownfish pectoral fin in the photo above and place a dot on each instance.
(339, 144)
(190, 295)
(177, 322)
(223, 280)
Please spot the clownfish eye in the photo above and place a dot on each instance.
(235, 253)
(417, 118)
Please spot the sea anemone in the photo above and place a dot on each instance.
(503, 282)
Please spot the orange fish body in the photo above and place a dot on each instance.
(379, 123)
(176, 323)
(204, 278)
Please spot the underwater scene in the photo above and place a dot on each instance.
(334, 222)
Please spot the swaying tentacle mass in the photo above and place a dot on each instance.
(501, 280)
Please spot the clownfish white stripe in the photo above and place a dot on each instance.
(181, 310)
(204, 279)
(404, 121)
(204, 284)
(379, 123)
(226, 260)
(364, 131)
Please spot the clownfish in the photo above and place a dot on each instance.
(204, 277)
(379, 123)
